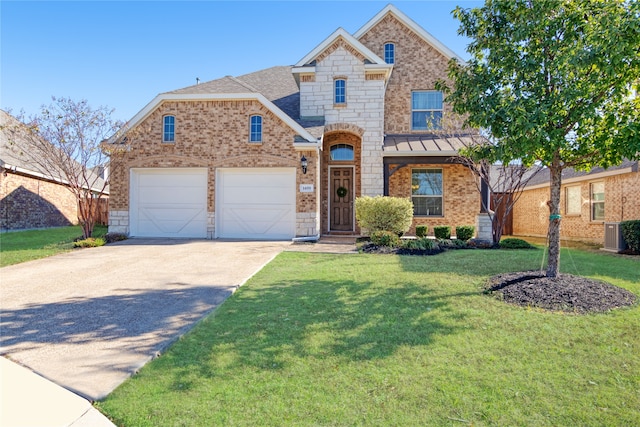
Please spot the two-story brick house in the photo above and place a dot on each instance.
(284, 152)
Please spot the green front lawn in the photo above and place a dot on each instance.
(21, 246)
(318, 339)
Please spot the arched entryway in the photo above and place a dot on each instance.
(341, 159)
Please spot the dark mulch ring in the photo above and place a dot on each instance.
(567, 293)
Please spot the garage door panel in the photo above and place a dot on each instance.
(256, 203)
(169, 202)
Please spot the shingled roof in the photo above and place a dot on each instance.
(568, 174)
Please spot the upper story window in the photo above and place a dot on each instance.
(169, 129)
(426, 110)
(342, 152)
(426, 192)
(390, 53)
(597, 201)
(255, 132)
(340, 92)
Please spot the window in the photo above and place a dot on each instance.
(426, 109)
(342, 152)
(426, 192)
(169, 129)
(340, 91)
(573, 201)
(597, 201)
(390, 53)
(255, 132)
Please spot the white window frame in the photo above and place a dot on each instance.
(259, 134)
(164, 129)
(343, 95)
(594, 202)
(390, 53)
(426, 110)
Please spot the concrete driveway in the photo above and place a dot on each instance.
(90, 318)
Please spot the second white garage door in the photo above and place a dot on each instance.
(256, 203)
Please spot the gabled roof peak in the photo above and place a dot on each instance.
(348, 38)
(410, 23)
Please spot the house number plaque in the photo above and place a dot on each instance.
(306, 188)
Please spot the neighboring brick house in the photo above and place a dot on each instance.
(588, 201)
(223, 159)
(29, 196)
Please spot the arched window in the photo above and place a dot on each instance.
(255, 131)
(342, 152)
(168, 129)
(390, 53)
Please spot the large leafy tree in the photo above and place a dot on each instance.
(551, 81)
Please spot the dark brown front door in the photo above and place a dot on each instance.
(341, 199)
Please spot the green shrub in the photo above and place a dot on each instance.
(382, 213)
(421, 230)
(91, 242)
(419, 244)
(513, 243)
(631, 234)
(385, 238)
(465, 232)
(442, 232)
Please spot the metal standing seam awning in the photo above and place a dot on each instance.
(404, 150)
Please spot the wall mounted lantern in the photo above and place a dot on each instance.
(304, 164)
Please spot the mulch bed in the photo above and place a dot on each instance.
(565, 293)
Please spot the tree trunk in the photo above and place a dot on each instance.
(553, 266)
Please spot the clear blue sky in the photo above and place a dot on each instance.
(121, 54)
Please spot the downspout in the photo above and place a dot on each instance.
(306, 239)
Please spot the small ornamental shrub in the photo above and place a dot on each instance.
(465, 232)
(90, 242)
(442, 232)
(383, 213)
(631, 234)
(385, 238)
(512, 243)
(419, 244)
(421, 230)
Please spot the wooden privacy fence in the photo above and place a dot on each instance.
(100, 208)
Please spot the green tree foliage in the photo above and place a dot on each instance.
(551, 81)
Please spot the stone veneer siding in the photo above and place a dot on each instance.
(364, 108)
(417, 67)
(461, 197)
(211, 134)
(27, 202)
(621, 203)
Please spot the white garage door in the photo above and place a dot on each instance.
(256, 203)
(168, 202)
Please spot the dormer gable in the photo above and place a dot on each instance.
(305, 68)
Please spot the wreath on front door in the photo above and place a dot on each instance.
(341, 192)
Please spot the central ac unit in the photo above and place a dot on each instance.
(613, 239)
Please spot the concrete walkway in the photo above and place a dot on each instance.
(87, 320)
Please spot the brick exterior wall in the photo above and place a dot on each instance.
(461, 197)
(27, 202)
(531, 214)
(210, 134)
(417, 67)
